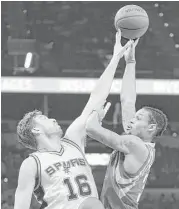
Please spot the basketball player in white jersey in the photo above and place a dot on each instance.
(134, 152)
(57, 172)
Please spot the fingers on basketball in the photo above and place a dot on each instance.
(127, 45)
(127, 51)
(136, 42)
(118, 36)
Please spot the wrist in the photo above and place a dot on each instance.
(116, 56)
(133, 61)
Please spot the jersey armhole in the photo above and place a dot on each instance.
(38, 174)
(147, 163)
(81, 145)
(68, 141)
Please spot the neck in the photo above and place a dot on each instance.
(50, 143)
(147, 139)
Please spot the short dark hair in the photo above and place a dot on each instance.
(159, 118)
(24, 130)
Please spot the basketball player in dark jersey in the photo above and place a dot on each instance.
(57, 171)
(134, 152)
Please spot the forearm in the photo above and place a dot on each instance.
(96, 100)
(97, 133)
(93, 131)
(128, 90)
(104, 136)
(104, 83)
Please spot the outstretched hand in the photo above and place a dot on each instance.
(119, 50)
(96, 117)
(129, 54)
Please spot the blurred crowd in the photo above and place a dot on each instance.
(76, 38)
(162, 202)
(165, 170)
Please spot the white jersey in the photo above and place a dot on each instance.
(64, 178)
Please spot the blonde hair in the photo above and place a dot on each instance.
(24, 130)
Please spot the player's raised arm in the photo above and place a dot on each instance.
(98, 96)
(26, 183)
(128, 90)
(123, 143)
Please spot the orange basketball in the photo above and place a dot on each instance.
(132, 20)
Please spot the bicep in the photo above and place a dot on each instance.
(128, 112)
(26, 184)
(108, 138)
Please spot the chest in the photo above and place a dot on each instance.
(131, 164)
(56, 167)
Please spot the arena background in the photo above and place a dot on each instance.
(65, 46)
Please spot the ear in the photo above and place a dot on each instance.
(152, 127)
(36, 131)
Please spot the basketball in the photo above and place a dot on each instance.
(132, 20)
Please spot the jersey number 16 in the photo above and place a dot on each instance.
(82, 184)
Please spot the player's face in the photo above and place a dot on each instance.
(48, 125)
(139, 125)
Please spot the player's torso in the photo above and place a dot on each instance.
(121, 189)
(66, 177)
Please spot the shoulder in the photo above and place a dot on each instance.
(28, 166)
(67, 142)
(135, 144)
(27, 174)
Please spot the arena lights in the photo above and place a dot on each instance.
(25, 12)
(174, 134)
(161, 14)
(171, 35)
(84, 86)
(28, 60)
(156, 5)
(166, 24)
(5, 180)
